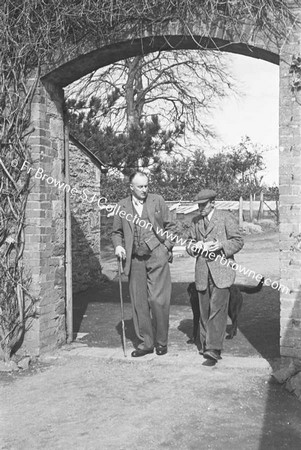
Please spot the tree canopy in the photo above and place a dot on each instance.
(132, 112)
(37, 35)
(233, 172)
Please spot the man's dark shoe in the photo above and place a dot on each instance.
(209, 362)
(141, 352)
(214, 355)
(202, 350)
(219, 354)
(161, 349)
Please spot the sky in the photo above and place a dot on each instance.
(254, 112)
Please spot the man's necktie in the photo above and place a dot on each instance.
(206, 222)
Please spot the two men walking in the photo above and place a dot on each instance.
(139, 235)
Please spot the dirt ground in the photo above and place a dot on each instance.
(89, 396)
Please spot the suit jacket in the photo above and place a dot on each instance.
(224, 228)
(123, 229)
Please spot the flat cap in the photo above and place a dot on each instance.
(205, 195)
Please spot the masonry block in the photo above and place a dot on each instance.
(86, 235)
(47, 142)
(40, 236)
(290, 351)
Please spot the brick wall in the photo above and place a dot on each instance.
(290, 202)
(45, 222)
(45, 218)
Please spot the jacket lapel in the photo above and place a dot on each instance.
(212, 221)
(129, 209)
(150, 208)
(201, 226)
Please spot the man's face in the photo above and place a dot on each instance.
(206, 208)
(139, 186)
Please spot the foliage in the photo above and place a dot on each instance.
(37, 34)
(295, 71)
(271, 193)
(237, 169)
(16, 304)
(38, 27)
(113, 187)
(147, 103)
(231, 173)
(123, 151)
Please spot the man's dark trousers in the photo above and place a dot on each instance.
(214, 312)
(150, 292)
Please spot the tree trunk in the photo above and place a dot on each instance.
(132, 85)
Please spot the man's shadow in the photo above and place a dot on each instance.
(130, 334)
(258, 322)
(186, 327)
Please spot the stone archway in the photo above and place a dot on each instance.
(49, 142)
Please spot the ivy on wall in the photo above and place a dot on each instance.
(38, 33)
(295, 71)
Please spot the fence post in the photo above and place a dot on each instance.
(277, 211)
(251, 208)
(260, 210)
(240, 212)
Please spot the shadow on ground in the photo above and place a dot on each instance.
(97, 312)
(284, 435)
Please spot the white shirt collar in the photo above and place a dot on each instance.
(136, 201)
(210, 214)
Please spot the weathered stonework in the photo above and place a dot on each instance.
(45, 222)
(45, 238)
(85, 214)
(290, 202)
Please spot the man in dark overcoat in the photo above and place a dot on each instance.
(142, 237)
(214, 238)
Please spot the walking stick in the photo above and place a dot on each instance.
(121, 306)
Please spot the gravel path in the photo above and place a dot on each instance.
(88, 396)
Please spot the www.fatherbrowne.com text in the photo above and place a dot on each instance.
(212, 256)
(103, 203)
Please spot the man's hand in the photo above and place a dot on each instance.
(199, 245)
(215, 246)
(170, 254)
(120, 252)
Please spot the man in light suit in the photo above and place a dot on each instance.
(141, 236)
(214, 238)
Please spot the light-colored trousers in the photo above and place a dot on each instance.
(150, 292)
(214, 312)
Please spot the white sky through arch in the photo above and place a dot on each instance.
(255, 113)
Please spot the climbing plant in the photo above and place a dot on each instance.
(36, 35)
